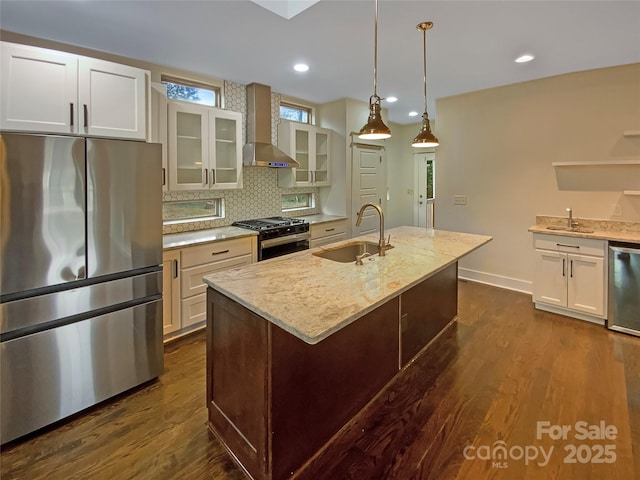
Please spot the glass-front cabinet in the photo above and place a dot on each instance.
(205, 149)
(309, 146)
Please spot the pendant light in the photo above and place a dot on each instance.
(375, 129)
(425, 137)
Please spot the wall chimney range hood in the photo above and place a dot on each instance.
(259, 152)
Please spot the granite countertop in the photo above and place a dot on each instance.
(312, 297)
(321, 218)
(589, 228)
(177, 240)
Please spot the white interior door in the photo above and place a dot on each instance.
(423, 190)
(369, 185)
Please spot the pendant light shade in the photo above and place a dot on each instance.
(425, 137)
(375, 129)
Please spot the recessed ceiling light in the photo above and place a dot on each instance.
(391, 99)
(527, 57)
(301, 67)
(413, 114)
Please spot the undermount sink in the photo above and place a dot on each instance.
(347, 253)
(567, 229)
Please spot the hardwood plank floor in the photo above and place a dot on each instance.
(500, 369)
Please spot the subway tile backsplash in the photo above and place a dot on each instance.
(260, 197)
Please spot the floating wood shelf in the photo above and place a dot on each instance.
(631, 192)
(632, 133)
(597, 164)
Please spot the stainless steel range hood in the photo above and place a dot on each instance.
(259, 152)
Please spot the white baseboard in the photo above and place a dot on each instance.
(569, 313)
(501, 281)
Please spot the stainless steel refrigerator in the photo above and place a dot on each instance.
(81, 278)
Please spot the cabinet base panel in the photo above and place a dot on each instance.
(569, 313)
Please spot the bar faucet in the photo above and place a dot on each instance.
(571, 224)
(382, 245)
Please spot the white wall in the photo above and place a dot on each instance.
(497, 146)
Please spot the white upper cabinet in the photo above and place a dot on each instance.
(205, 147)
(55, 92)
(310, 146)
(39, 89)
(112, 98)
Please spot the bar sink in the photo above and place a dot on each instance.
(348, 253)
(567, 229)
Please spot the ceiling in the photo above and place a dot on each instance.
(471, 47)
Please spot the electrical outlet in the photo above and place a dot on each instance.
(459, 199)
(617, 210)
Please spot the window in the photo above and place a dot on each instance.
(194, 92)
(192, 211)
(430, 192)
(296, 113)
(297, 201)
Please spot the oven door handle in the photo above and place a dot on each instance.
(272, 242)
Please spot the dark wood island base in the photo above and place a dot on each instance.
(274, 400)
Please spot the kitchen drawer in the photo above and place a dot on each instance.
(215, 251)
(194, 310)
(319, 242)
(561, 243)
(327, 229)
(191, 279)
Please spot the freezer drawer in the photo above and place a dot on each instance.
(52, 374)
(24, 316)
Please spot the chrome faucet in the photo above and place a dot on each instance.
(571, 223)
(382, 245)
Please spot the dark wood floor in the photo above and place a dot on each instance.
(499, 370)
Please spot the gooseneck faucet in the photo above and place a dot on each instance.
(572, 224)
(381, 243)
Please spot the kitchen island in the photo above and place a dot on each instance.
(298, 345)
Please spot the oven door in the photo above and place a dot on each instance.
(275, 247)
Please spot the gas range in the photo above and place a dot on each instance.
(278, 235)
(269, 223)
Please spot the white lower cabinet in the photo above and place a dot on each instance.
(327, 232)
(194, 263)
(570, 276)
(170, 291)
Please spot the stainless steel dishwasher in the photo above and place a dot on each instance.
(624, 288)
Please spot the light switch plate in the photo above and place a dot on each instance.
(459, 199)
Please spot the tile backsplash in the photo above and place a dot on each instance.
(261, 196)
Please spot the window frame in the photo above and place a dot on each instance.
(311, 203)
(216, 89)
(297, 106)
(218, 212)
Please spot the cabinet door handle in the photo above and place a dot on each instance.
(564, 270)
(213, 176)
(329, 229)
(175, 269)
(86, 115)
(220, 252)
(164, 176)
(571, 268)
(71, 114)
(205, 174)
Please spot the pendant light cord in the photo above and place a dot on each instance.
(375, 54)
(424, 44)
